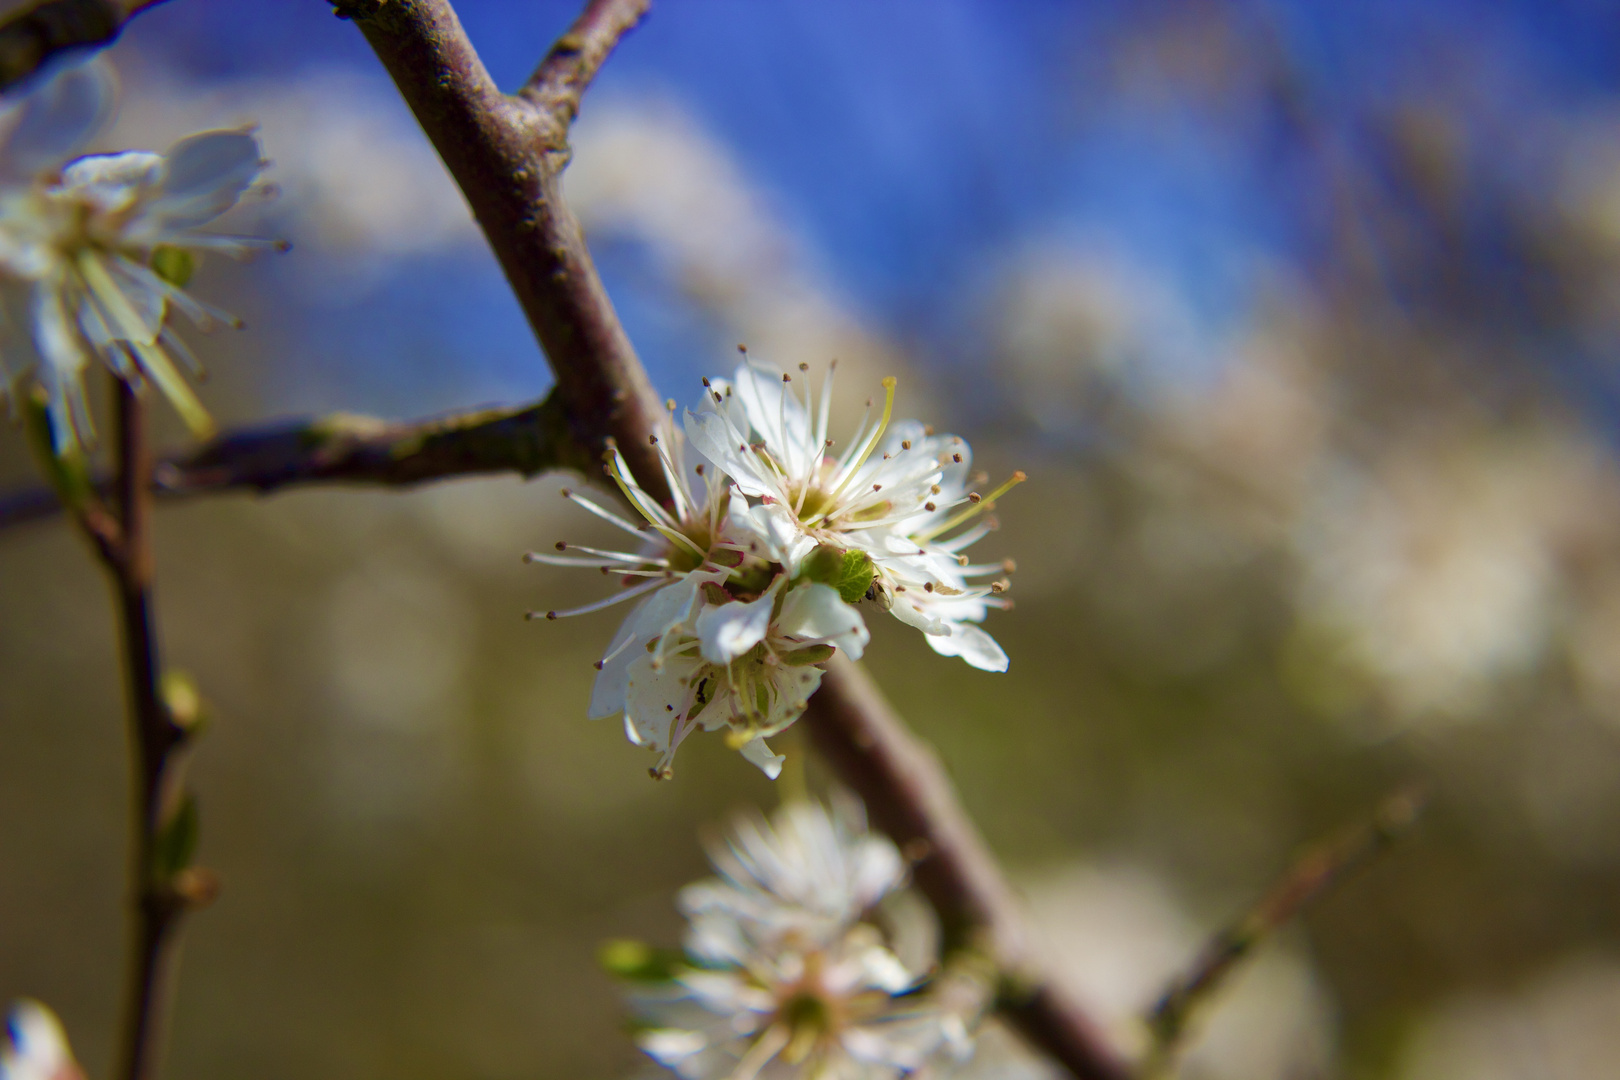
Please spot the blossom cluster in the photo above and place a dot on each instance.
(783, 971)
(750, 574)
(95, 250)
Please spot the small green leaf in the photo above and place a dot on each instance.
(810, 654)
(639, 962)
(849, 571)
(184, 701)
(176, 843)
(67, 470)
(174, 265)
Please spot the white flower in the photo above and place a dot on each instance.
(36, 1048)
(894, 494)
(748, 666)
(722, 641)
(100, 246)
(783, 977)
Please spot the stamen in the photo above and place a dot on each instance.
(603, 513)
(617, 598)
(979, 504)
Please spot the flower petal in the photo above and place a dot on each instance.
(971, 644)
(815, 613)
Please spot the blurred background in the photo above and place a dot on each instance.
(1304, 320)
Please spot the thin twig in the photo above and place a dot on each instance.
(1318, 870)
(163, 889)
(31, 36)
(910, 797)
(344, 448)
(507, 154)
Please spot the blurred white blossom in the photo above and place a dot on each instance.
(36, 1047)
(98, 249)
(782, 976)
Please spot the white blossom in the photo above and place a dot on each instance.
(784, 977)
(36, 1048)
(723, 640)
(896, 493)
(96, 250)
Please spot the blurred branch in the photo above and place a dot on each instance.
(344, 448)
(31, 36)
(1308, 879)
(507, 153)
(910, 797)
(165, 884)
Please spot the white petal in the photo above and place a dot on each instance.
(716, 439)
(669, 1047)
(756, 752)
(815, 612)
(913, 614)
(203, 176)
(613, 679)
(971, 644)
(732, 629)
(58, 118)
(38, 1047)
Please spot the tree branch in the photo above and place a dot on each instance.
(345, 448)
(507, 155)
(1318, 870)
(909, 796)
(31, 36)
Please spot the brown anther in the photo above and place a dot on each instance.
(705, 381)
(930, 507)
(928, 586)
(699, 468)
(868, 403)
(934, 489)
(899, 588)
(961, 560)
(599, 664)
(562, 545)
(885, 457)
(905, 444)
(604, 570)
(916, 849)
(974, 497)
(717, 398)
(669, 708)
(653, 439)
(957, 458)
(551, 614)
(803, 366)
(786, 377)
(742, 349)
(1008, 566)
(999, 587)
(566, 492)
(928, 429)
(877, 487)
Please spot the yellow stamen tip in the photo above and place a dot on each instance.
(889, 382)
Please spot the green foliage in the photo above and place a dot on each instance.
(176, 842)
(67, 471)
(640, 962)
(850, 572)
(174, 265)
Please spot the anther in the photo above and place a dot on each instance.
(999, 587)
(717, 398)
(974, 496)
(928, 586)
(980, 477)
(899, 588)
(877, 487)
(653, 439)
(669, 403)
(742, 349)
(928, 429)
(868, 403)
(934, 489)
(551, 614)
(957, 458)
(705, 382)
(786, 377)
(566, 492)
(1008, 566)
(562, 545)
(699, 468)
(803, 366)
(930, 507)
(905, 444)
